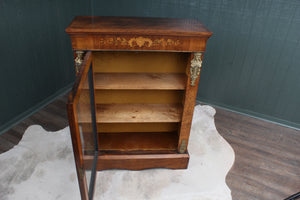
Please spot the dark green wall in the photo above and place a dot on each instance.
(35, 54)
(251, 64)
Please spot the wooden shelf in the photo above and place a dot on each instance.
(139, 81)
(131, 127)
(141, 142)
(133, 96)
(132, 113)
(138, 161)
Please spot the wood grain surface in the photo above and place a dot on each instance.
(139, 81)
(266, 157)
(139, 162)
(137, 26)
(143, 34)
(132, 127)
(189, 101)
(132, 113)
(134, 96)
(138, 142)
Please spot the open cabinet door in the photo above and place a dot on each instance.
(82, 121)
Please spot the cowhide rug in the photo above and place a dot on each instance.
(42, 167)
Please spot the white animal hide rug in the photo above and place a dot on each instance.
(41, 167)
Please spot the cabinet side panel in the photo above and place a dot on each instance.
(188, 109)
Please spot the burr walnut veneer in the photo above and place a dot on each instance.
(132, 103)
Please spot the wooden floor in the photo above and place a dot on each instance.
(267, 157)
(267, 164)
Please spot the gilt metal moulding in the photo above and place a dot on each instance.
(195, 69)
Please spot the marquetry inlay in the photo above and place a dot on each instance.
(138, 42)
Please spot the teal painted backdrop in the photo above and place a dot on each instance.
(251, 64)
(35, 54)
(252, 60)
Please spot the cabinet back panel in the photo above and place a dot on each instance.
(136, 62)
(138, 141)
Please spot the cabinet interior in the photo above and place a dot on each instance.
(138, 102)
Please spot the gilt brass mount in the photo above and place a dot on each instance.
(78, 60)
(195, 69)
(182, 146)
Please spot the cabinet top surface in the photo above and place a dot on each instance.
(137, 26)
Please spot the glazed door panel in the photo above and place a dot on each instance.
(81, 111)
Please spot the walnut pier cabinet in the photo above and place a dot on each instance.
(132, 103)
